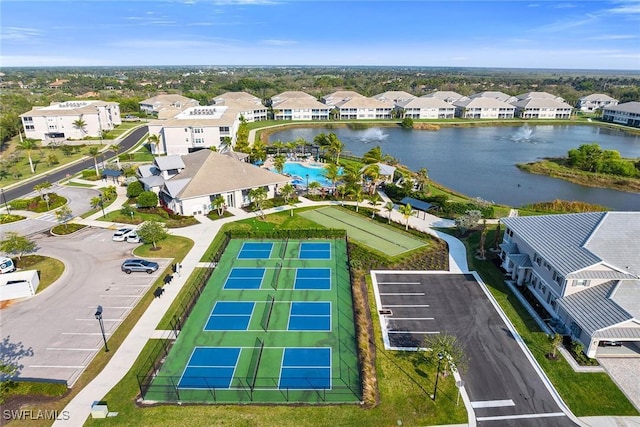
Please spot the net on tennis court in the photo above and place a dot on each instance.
(252, 373)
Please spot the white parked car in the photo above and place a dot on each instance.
(133, 237)
(121, 234)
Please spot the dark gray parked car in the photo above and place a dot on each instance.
(136, 264)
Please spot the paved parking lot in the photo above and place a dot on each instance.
(504, 387)
(59, 323)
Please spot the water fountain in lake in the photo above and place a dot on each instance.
(523, 134)
(373, 135)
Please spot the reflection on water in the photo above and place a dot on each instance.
(480, 162)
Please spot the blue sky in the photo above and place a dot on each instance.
(578, 34)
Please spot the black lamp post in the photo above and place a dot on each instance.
(307, 184)
(5, 201)
(99, 317)
(435, 388)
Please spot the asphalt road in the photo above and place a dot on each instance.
(59, 323)
(503, 386)
(26, 188)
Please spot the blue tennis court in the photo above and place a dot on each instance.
(315, 250)
(313, 279)
(210, 367)
(310, 316)
(255, 250)
(230, 316)
(306, 369)
(244, 278)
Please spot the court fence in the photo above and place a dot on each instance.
(301, 233)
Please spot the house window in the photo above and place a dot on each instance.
(198, 140)
(581, 282)
(28, 119)
(546, 265)
(557, 278)
(29, 127)
(537, 259)
(224, 129)
(197, 130)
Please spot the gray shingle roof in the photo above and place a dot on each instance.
(627, 107)
(166, 163)
(592, 309)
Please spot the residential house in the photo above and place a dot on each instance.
(188, 184)
(247, 105)
(501, 96)
(196, 128)
(394, 96)
(583, 269)
(165, 106)
(297, 105)
(353, 106)
(484, 108)
(59, 120)
(446, 96)
(426, 107)
(627, 113)
(596, 101)
(541, 105)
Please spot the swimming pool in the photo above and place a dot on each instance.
(299, 172)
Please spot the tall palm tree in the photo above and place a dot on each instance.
(356, 193)
(28, 145)
(332, 173)
(372, 172)
(258, 196)
(406, 212)
(374, 155)
(40, 188)
(94, 152)
(225, 144)
(422, 176)
(336, 147)
(389, 207)
(116, 149)
(278, 145)
(155, 140)
(80, 124)
(374, 199)
(278, 163)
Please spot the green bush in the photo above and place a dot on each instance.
(19, 204)
(407, 123)
(134, 189)
(89, 173)
(147, 199)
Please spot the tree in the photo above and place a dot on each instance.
(468, 220)
(116, 149)
(134, 189)
(28, 145)
(258, 151)
(356, 193)
(287, 191)
(422, 178)
(374, 199)
(278, 145)
(258, 196)
(587, 157)
(11, 354)
(152, 231)
(447, 345)
(218, 204)
(42, 187)
(314, 186)
(95, 152)
(407, 123)
(555, 340)
(64, 214)
(373, 156)
(80, 124)
(336, 147)
(225, 144)
(372, 173)
(278, 163)
(17, 244)
(389, 207)
(155, 141)
(332, 173)
(406, 212)
(483, 239)
(147, 199)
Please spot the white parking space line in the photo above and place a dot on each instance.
(523, 416)
(492, 403)
(58, 366)
(398, 283)
(85, 333)
(411, 318)
(403, 293)
(405, 305)
(413, 332)
(71, 349)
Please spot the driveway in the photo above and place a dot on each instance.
(59, 323)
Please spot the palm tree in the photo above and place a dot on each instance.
(40, 188)
(356, 192)
(389, 207)
(278, 163)
(218, 204)
(94, 152)
(353, 175)
(291, 146)
(332, 173)
(301, 143)
(80, 124)
(288, 191)
(336, 147)
(155, 141)
(314, 186)
(374, 199)
(116, 149)
(28, 145)
(374, 155)
(372, 172)
(406, 212)
(278, 145)
(422, 176)
(225, 144)
(258, 196)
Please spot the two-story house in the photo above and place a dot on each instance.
(596, 101)
(584, 269)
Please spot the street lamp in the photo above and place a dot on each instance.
(99, 125)
(5, 201)
(99, 317)
(435, 388)
(307, 184)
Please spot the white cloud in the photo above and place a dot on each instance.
(21, 34)
(275, 42)
(614, 37)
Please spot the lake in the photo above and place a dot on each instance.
(480, 161)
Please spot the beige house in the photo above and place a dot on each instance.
(426, 108)
(59, 121)
(297, 105)
(189, 184)
(353, 106)
(500, 96)
(445, 95)
(249, 106)
(394, 96)
(167, 105)
(584, 270)
(484, 108)
(541, 105)
(596, 101)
